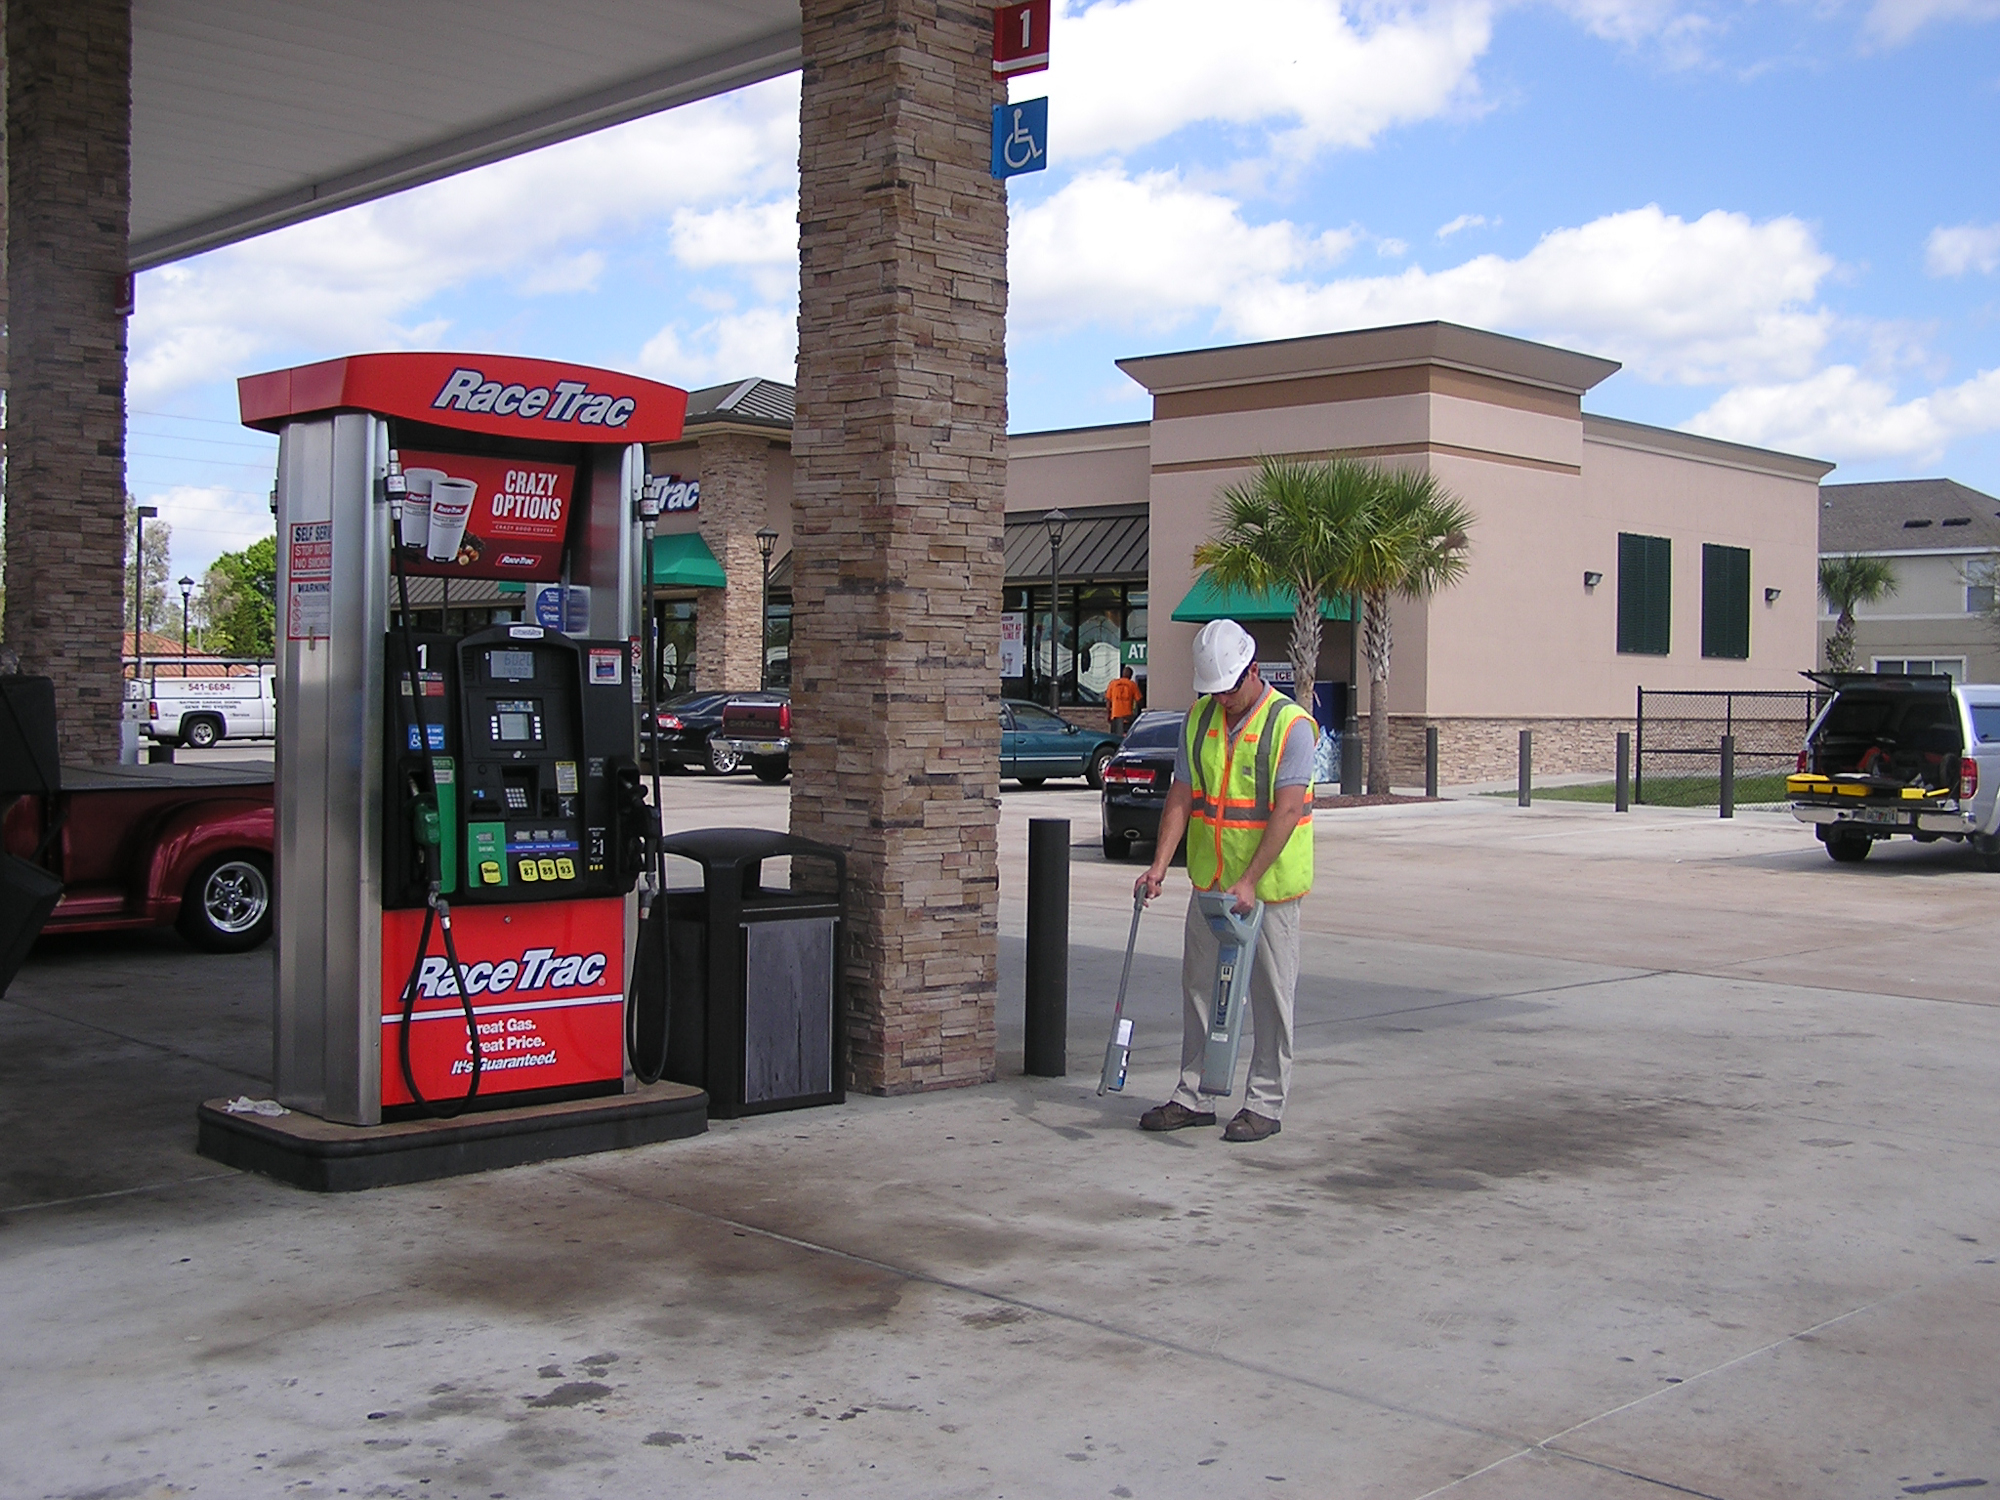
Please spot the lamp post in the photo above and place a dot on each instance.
(1055, 520)
(141, 515)
(767, 539)
(187, 592)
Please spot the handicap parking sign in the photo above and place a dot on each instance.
(1020, 137)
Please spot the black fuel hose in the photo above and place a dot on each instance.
(653, 912)
(437, 909)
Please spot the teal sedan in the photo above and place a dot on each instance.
(1036, 744)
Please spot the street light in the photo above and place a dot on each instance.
(1055, 520)
(141, 514)
(187, 591)
(766, 540)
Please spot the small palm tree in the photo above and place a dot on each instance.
(1414, 544)
(1293, 526)
(1844, 582)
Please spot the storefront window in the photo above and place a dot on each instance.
(1085, 648)
(676, 617)
(1099, 631)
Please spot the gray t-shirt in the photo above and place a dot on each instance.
(1295, 757)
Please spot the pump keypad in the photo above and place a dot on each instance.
(522, 727)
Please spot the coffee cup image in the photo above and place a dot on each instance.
(417, 505)
(451, 503)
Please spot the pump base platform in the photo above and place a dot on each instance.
(324, 1157)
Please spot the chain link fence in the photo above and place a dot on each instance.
(1677, 746)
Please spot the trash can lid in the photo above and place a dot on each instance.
(736, 846)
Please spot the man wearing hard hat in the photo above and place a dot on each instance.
(1242, 792)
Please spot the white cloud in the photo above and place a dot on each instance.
(207, 521)
(1720, 298)
(1462, 222)
(358, 278)
(1391, 249)
(739, 234)
(1143, 252)
(1962, 248)
(1840, 413)
(762, 341)
(1893, 22)
(1678, 33)
(1130, 72)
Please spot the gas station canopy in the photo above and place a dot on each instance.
(251, 114)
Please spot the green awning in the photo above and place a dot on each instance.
(681, 560)
(1208, 600)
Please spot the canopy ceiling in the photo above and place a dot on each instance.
(249, 114)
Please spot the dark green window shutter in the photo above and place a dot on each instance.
(1725, 602)
(1645, 594)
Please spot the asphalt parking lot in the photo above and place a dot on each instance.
(1628, 1156)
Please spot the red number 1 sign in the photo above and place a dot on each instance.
(1020, 38)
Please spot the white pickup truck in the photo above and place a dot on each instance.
(1893, 755)
(203, 711)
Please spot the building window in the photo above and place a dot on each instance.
(1978, 598)
(1725, 602)
(1920, 666)
(1645, 594)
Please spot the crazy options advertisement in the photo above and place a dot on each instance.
(548, 995)
(468, 517)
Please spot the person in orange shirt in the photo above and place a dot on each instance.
(1121, 700)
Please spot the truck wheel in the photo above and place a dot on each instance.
(201, 733)
(1848, 848)
(1987, 847)
(773, 769)
(721, 759)
(227, 907)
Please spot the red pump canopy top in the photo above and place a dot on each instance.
(502, 394)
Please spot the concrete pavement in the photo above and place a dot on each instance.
(1628, 1156)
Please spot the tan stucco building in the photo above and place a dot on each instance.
(1712, 547)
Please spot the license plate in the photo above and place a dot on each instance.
(764, 747)
(1888, 815)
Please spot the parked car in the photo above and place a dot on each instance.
(155, 846)
(760, 732)
(1036, 744)
(202, 711)
(1136, 781)
(1894, 755)
(686, 733)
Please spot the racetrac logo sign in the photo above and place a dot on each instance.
(540, 969)
(508, 395)
(565, 401)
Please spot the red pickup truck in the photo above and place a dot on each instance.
(155, 846)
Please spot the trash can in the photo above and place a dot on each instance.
(754, 997)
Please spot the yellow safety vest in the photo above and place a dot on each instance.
(1233, 795)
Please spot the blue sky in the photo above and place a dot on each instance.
(1783, 218)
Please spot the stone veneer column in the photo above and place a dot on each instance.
(898, 555)
(728, 637)
(69, 113)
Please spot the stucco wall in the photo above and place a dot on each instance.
(1099, 466)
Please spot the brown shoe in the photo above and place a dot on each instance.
(1174, 1115)
(1249, 1126)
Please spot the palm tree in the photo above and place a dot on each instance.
(1844, 582)
(1413, 545)
(1292, 527)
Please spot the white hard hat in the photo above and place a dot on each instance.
(1222, 649)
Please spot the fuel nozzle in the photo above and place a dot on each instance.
(425, 823)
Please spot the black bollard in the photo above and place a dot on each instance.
(1045, 1034)
(1728, 798)
(1623, 785)
(1525, 776)
(1431, 761)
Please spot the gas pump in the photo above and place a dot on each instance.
(462, 830)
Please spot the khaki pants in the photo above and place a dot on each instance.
(1274, 976)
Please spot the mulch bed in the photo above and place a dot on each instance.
(1386, 799)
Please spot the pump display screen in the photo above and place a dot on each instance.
(511, 666)
(517, 721)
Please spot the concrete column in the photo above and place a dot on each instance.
(69, 140)
(729, 630)
(898, 553)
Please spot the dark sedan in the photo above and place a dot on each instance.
(688, 728)
(1036, 744)
(1136, 781)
